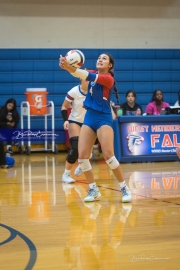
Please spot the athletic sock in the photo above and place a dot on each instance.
(122, 184)
(92, 185)
(67, 172)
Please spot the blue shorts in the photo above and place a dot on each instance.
(74, 122)
(95, 119)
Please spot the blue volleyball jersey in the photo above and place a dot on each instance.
(99, 92)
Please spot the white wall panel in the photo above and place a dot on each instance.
(89, 24)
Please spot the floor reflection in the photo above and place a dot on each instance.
(102, 235)
(41, 172)
(154, 184)
(100, 230)
(91, 244)
(10, 187)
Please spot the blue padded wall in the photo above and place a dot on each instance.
(142, 70)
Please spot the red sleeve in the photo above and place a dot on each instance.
(92, 71)
(106, 80)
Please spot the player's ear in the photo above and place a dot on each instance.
(110, 65)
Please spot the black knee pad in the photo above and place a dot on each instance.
(73, 151)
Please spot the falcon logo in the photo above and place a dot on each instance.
(133, 140)
(93, 84)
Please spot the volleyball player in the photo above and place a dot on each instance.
(73, 123)
(98, 122)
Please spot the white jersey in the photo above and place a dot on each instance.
(76, 97)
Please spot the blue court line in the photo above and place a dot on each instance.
(31, 246)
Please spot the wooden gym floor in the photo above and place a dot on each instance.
(44, 223)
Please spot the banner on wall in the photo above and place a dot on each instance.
(149, 138)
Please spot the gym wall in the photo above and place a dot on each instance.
(89, 24)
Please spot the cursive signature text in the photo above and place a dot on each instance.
(151, 258)
(28, 133)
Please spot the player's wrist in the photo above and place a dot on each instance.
(71, 69)
(64, 115)
(80, 73)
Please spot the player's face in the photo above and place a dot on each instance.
(159, 95)
(10, 106)
(103, 63)
(130, 98)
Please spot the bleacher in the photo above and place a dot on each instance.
(142, 70)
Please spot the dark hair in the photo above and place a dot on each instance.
(111, 71)
(131, 91)
(13, 101)
(4, 111)
(154, 95)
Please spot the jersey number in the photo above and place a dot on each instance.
(90, 91)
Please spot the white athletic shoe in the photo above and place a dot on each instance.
(93, 194)
(66, 178)
(78, 171)
(126, 194)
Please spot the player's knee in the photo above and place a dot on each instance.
(112, 163)
(85, 165)
(73, 151)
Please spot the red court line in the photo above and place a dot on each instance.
(82, 182)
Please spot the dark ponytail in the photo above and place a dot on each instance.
(111, 71)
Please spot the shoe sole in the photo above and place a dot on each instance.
(95, 199)
(127, 200)
(68, 182)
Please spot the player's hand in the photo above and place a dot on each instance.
(63, 63)
(66, 125)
